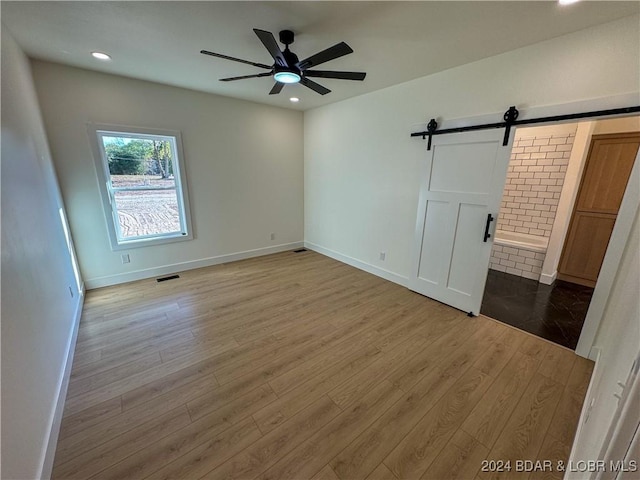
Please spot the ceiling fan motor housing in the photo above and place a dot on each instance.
(286, 37)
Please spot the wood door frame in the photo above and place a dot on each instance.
(574, 209)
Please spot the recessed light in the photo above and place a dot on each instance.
(567, 2)
(294, 99)
(100, 56)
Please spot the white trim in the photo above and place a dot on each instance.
(612, 260)
(354, 262)
(49, 450)
(586, 405)
(180, 267)
(548, 279)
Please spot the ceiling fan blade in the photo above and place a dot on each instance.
(231, 79)
(269, 41)
(316, 87)
(339, 75)
(226, 57)
(277, 88)
(330, 53)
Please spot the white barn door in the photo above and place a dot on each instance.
(461, 184)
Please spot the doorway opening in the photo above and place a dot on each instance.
(564, 186)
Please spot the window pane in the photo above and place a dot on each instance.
(147, 212)
(139, 161)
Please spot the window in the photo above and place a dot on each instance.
(144, 193)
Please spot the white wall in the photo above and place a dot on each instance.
(361, 166)
(244, 165)
(618, 340)
(39, 315)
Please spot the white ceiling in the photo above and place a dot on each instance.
(393, 41)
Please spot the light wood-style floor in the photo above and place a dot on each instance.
(295, 366)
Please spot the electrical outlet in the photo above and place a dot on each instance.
(383, 256)
(273, 236)
(125, 258)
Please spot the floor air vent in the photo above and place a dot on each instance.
(164, 279)
(300, 250)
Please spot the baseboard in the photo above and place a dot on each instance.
(586, 407)
(56, 419)
(354, 262)
(181, 267)
(548, 279)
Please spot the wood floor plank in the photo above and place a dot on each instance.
(87, 418)
(295, 365)
(350, 391)
(325, 474)
(212, 427)
(255, 459)
(114, 427)
(369, 449)
(78, 386)
(499, 353)
(213, 346)
(382, 473)
(447, 345)
(201, 372)
(294, 400)
(109, 453)
(534, 347)
(310, 457)
(565, 419)
(556, 452)
(524, 433)
(211, 453)
(557, 364)
(421, 446)
(83, 400)
(373, 445)
(84, 368)
(289, 347)
(488, 418)
(461, 458)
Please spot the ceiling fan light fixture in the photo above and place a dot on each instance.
(286, 77)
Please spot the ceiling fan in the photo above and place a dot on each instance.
(288, 69)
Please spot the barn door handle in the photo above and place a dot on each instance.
(487, 235)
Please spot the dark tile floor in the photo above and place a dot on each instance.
(555, 312)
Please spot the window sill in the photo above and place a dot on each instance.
(149, 242)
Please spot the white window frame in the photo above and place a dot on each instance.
(96, 132)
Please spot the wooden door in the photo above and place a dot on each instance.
(462, 183)
(604, 181)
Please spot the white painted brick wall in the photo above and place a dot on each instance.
(517, 261)
(534, 181)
